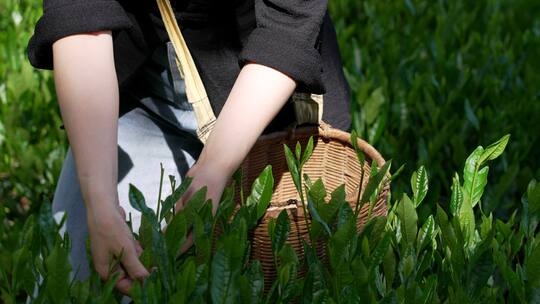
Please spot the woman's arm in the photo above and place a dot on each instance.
(255, 99)
(87, 90)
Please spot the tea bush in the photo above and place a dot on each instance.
(429, 80)
(461, 255)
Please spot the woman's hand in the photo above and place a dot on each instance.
(110, 240)
(204, 174)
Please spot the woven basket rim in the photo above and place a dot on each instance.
(327, 133)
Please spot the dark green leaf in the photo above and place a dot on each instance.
(345, 214)
(176, 233)
(281, 231)
(359, 153)
(389, 265)
(256, 281)
(58, 270)
(374, 182)
(532, 266)
(315, 215)
(221, 277)
(533, 197)
(137, 201)
(380, 251)
(408, 218)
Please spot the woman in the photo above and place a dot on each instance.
(111, 59)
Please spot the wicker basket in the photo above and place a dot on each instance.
(333, 160)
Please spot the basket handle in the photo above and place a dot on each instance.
(195, 91)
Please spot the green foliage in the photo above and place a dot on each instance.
(429, 79)
(432, 258)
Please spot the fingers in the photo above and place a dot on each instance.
(124, 282)
(133, 266)
(138, 248)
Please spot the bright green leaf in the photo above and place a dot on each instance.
(419, 183)
(494, 150)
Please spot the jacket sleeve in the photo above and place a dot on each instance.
(62, 18)
(285, 38)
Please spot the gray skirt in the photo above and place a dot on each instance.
(159, 130)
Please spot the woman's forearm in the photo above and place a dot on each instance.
(87, 90)
(255, 99)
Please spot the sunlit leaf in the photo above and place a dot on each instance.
(494, 150)
(419, 184)
(307, 152)
(456, 200)
(408, 218)
(292, 164)
(261, 192)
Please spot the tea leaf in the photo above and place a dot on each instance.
(315, 215)
(359, 152)
(494, 150)
(389, 266)
(408, 218)
(221, 278)
(345, 214)
(298, 150)
(426, 233)
(175, 235)
(137, 201)
(456, 199)
(145, 233)
(170, 201)
(255, 277)
(380, 251)
(58, 269)
(375, 181)
(533, 197)
(293, 166)
(226, 206)
(474, 179)
(532, 267)
(307, 152)
(467, 221)
(201, 239)
(195, 203)
(419, 184)
(317, 192)
(261, 192)
(281, 231)
(47, 227)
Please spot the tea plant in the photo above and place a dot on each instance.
(457, 255)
